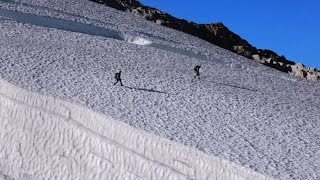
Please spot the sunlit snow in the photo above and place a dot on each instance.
(239, 110)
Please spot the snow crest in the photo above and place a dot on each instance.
(43, 137)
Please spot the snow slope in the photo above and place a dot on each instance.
(240, 110)
(43, 138)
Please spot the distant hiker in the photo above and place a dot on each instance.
(197, 70)
(118, 78)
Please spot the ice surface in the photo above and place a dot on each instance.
(241, 111)
(45, 138)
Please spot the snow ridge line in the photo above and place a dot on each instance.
(81, 126)
(175, 161)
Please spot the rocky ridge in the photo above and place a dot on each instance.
(217, 34)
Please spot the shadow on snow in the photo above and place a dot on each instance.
(62, 24)
(143, 89)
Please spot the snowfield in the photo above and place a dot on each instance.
(240, 111)
(43, 138)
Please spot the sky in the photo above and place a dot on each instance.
(288, 27)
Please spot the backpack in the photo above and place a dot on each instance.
(196, 68)
(117, 76)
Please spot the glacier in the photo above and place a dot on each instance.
(242, 120)
(46, 138)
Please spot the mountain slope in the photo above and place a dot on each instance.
(46, 138)
(240, 110)
(217, 34)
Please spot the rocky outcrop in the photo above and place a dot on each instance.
(309, 73)
(215, 33)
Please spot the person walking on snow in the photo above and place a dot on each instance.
(118, 78)
(197, 70)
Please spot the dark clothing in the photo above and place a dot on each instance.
(118, 81)
(197, 70)
(118, 78)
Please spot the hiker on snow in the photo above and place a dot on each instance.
(197, 70)
(118, 78)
